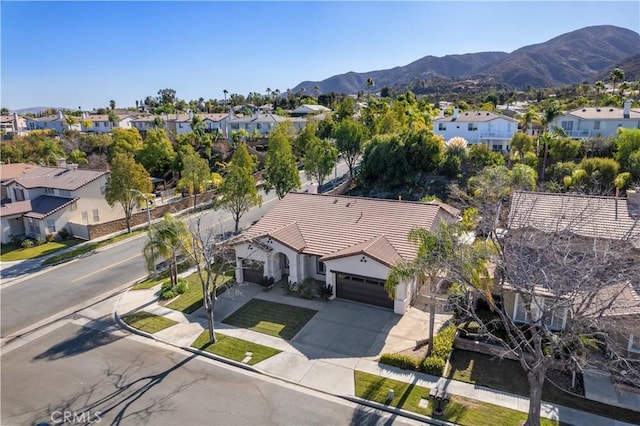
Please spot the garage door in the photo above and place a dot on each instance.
(362, 289)
(252, 270)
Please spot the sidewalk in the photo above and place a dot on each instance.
(315, 368)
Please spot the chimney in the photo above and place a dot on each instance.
(441, 113)
(455, 113)
(633, 202)
(313, 188)
(627, 109)
(60, 116)
(190, 115)
(72, 166)
(61, 163)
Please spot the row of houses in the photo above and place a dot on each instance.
(477, 127)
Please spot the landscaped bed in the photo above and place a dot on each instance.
(148, 322)
(191, 300)
(407, 396)
(274, 319)
(507, 375)
(233, 348)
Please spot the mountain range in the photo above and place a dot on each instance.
(571, 58)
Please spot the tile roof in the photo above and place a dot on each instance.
(589, 216)
(603, 113)
(38, 208)
(474, 117)
(46, 205)
(58, 178)
(13, 170)
(265, 118)
(336, 226)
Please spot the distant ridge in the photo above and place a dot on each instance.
(570, 58)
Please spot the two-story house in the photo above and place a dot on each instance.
(213, 123)
(477, 127)
(100, 123)
(43, 200)
(57, 123)
(263, 123)
(590, 122)
(12, 124)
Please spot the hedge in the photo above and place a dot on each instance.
(401, 361)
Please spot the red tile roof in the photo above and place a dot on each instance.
(58, 178)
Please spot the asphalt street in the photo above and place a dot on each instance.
(28, 301)
(110, 377)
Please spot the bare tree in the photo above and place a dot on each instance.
(548, 291)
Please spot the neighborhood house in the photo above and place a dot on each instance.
(348, 243)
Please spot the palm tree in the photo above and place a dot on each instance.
(370, 84)
(624, 86)
(77, 157)
(529, 117)
(225, 92)
(616, 75)
(269, 92)
(112, 104)
(167, 240)
(317, 89)
(599, 87)
(547, 139)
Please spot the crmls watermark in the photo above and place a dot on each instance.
(72, 417)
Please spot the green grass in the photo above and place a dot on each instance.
(148, 322)
(459, 410)
(151, 282)
(274, 319)
(191, 300)
(507, 375)
(90, 247)
(12, 252)
(232, 348)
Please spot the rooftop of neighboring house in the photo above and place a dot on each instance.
(13, 170)
(38, 208)
(474, 116)
(186, 118)
(310, 108)
(65, 178)
(585, 215)
(339, 226)
(105, 117)
(265, 118)
(603, 113)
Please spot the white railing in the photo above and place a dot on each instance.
(578, 133)
(496, 135)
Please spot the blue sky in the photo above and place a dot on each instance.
(70, 54)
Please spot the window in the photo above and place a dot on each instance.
(553, 318)
(49, 191)
(51, 226)
(97, 123)
(85, 218)
(320, 268)
(235, 126)
(596, 125)
(497, 147)
(442, 126)
(96, 215)
(65, 193)
(259, 126)
(567, 125)
(472, 127)
(18, 194)
(180, 125)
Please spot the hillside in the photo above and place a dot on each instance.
(570, 58)
(630, 66)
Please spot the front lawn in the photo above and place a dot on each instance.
(274, 319)
(464, 411)
(148, 322)
(235, 349)
(12, 252)
(87, 248)
(507, 375)
(191, 300)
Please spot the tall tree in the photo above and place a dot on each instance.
(320, 158)
(126, 181)
(166, 240)
(599, 88)
(616, 75)
(196, 176)
(125, 141)
(370, 84)
(238, 191)
(281, 172)
(350, 138)
(112, 104)
(157, 153)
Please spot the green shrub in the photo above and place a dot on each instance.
(401, 361)
(167, 291)
(40, 241)
(443, 342)
(51, 237)
(433, 365)
(63, 233)
(27, 243)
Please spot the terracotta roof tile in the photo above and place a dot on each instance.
(328, 224)
(58, 178)
(589, 216)
(378, 248)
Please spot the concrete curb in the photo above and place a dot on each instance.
(398, 411)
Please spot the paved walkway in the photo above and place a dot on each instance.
(320, 360)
